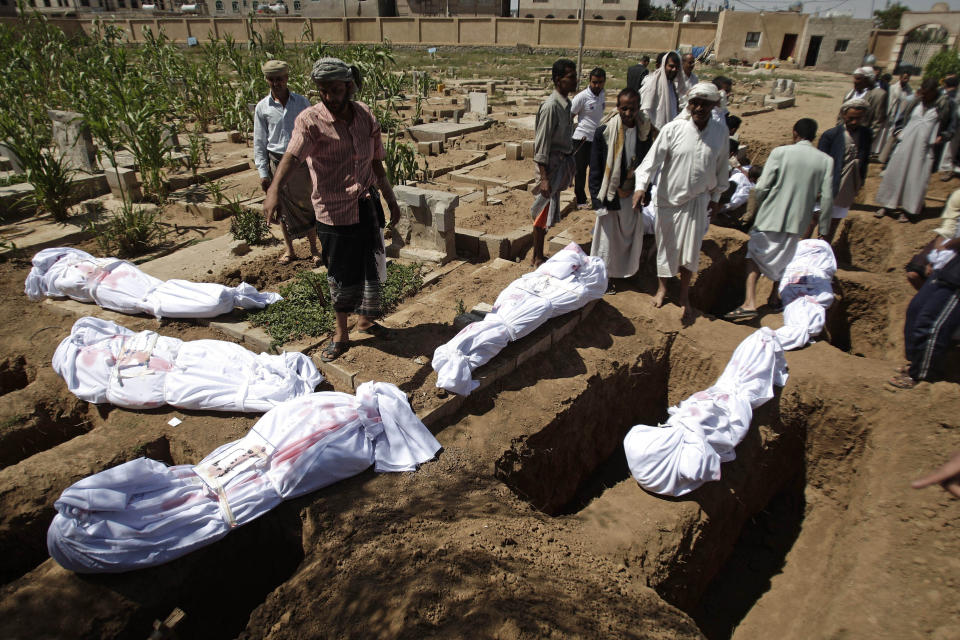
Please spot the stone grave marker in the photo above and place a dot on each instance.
(426, 227)
(15, 164)
(477, 102)
(72, 138)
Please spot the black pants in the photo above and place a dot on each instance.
(581, 155)
(932, 318)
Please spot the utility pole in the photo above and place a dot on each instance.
(583, 26)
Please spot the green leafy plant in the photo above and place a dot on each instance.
(942, 64)
(15, 178)
(198, 149)
(247, 225)
(461, 309)
(305, 309)
(132, 231)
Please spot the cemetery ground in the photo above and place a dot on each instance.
(527, 524)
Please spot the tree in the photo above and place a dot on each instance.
(942, 64)
(679, 4)
(889, 18)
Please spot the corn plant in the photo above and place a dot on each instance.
(131, 231)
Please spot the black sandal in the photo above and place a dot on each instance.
(334, 350)
(741, 314)
(377, 330)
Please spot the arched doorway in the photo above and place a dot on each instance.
(921, 44)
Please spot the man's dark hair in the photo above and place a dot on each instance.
(598, 72)
(645, 59)
(756, 170)
(723, 82)
(886, 77)
(806, 128)
(561, 67)
(733, 122)
(660, 58)
(629, 92)
(734, 146)
(929, 84)
(951, 81)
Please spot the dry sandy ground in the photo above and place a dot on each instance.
(527, 525)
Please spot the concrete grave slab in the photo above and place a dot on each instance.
(527, 123)
(443, 130)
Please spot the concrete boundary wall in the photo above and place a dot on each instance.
(613, 35)
(727, 36)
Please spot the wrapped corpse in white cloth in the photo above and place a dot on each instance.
(567, 281)
(120, 286)
(104, 362)
(144, 513)
(703, 431)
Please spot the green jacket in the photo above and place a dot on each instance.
(792, 179)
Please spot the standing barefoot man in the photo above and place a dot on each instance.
(340, 141)
(553, 153)
(691, 155)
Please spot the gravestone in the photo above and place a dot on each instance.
(426, 227)
(477, 103)
(73, 140)
(527, 149)
(15, 164)
(513, 151)
(123, 182)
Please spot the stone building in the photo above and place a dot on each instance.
(568, 9)
(836, 43)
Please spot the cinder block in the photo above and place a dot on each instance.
(423, 148)
(123, 182)
(492, 247)
(513, 151)
(528, 149)
(436, 148)
(468, 241)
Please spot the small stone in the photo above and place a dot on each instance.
(420, 360)
(239, 248)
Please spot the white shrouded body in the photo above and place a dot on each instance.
(702, 432)
(120, 286)
(567, 281)
(103, 362)
(143, 513)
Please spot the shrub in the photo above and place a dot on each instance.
(248, 225)
(132, 231)
(942, 64)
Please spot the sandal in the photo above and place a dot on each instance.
(377, 330)
(902, 381)
(334, 350)
(317, 260)
(880, 213)
(285, 259)
(903, 218)
(740, 314)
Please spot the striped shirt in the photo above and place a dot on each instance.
(339, 156)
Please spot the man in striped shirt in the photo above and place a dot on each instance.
(340, 141)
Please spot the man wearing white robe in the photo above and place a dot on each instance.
(904, 184)
(897, 98)
(691, 154)
(659, 95)
(618, 148)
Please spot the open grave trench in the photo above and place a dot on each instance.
(529, 510)
(527, 524)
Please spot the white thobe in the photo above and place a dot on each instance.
(618, 235)
(693, 172)
(905, 180)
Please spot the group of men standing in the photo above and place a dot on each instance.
(669, 138)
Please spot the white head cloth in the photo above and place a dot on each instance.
(704, 91)
(866, 72)
(854, 103)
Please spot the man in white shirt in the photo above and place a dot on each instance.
(691, 155)
(588, 107)
(687, 63)
(272, 125)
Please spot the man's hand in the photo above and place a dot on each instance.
(270, 206)
(544, 187)
(939, 140)
(394, 213)
(265, 183)
(947, 476)
(713, 208)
